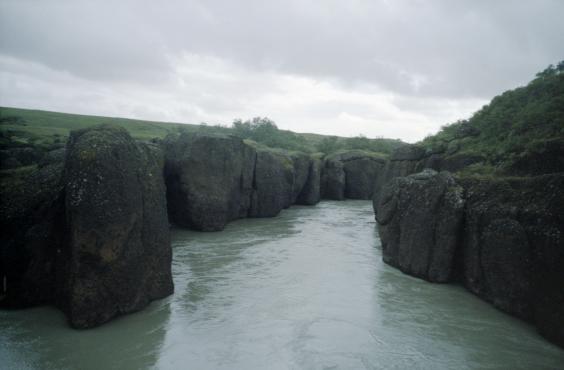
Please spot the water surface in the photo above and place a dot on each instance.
(305, 290)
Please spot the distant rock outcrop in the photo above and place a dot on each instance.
(273, 184)
(311, 191)
(351, 174)
(209, 180)
(214, 179)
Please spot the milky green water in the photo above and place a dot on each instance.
(305, 290)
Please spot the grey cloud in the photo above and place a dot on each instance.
(440, 48)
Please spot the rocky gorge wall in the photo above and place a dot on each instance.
(503, 239)
(89, 230)
(350, 175)
(89, 234)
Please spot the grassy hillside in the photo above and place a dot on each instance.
(48, 130)
(38, 127)
(523, 127)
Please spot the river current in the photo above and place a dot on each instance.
(304, 290)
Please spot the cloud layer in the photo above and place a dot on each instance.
(381, 68)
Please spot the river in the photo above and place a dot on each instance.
(304, 290)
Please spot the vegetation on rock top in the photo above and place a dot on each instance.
(517, 130)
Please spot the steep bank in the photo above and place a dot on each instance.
(89, 235)
(502, 239)
(214, 179)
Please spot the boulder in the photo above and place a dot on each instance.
(419, 219)
(118, 234)
(209, 180)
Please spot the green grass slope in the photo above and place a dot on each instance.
(519, 129)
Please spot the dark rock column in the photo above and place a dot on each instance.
(419, 219)
(513, 250)
(209, 180)
(360, 176)
(119, 242)
(333, 180)
(273, 184)
(31, 241)
(311, 192)
(301, 163)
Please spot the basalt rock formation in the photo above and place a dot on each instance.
(311, 192)
(351, 174)
(419, 218)
(32, 223)
(214, 179)
(273, 184)
(89, 235)
(502, 239)
(209, 180)
(118, 234)
(512, 251)
(410, 159)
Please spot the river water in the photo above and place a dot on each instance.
(305, 290)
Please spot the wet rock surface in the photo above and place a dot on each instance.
(419, 218)
(513, 248)
(311, 191)
(31, 217)
(209, 180)
(116, 218)
(350, 174)
(89, 232)
(509, 249)
(273, 184)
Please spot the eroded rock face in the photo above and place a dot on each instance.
(213, 179)
(118, 235)
(273, 184)
(302, 165)
(209, 180)
(31, 244)
(350, 174)
(360, 177)
(513, 248)
(311, 191)
(509, 251)
(333, 180)
(403, 161)
(419, 219)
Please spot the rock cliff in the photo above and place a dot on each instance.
(351, 174)
(501, 238)
(90, 235)
(209, 180)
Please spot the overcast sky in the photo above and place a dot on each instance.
(390, 68)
